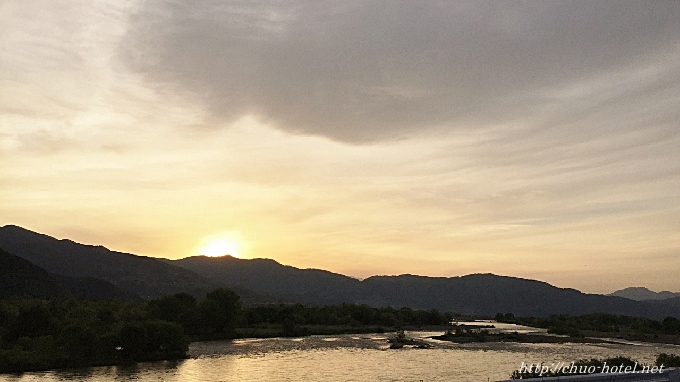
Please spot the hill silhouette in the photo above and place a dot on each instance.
(481, 294)
(91, 288)
(269, 277)
(673, 301)
(19, 278)
(642, 294)
(142, 276)
(486, 294)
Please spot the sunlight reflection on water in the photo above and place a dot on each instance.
(348, 358)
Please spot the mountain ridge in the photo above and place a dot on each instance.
(643, 294)
(19, 278)
(144, 276)
(479, 294)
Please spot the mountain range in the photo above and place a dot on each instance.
(479, 294)
(145, 277)
(19, 278)
(643, 294)
(266, 281)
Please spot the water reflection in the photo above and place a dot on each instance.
(348, 358)
(145, 371)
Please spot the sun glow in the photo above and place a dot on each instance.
(220, 245)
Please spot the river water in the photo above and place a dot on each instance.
(349, 358)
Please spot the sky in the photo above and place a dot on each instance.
(520, 138)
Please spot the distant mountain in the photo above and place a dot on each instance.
(486, 294)
(145, 277)
(91, 288)
(482, 294)
(269, 277)
(642, 293)
(673, 301)
(20, 278)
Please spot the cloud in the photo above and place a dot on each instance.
(537, 133)
(362, 71)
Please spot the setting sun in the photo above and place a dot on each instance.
(219, 246)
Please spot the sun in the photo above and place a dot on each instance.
(219, 246)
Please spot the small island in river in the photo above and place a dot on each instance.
(468, 334)
(400, 341)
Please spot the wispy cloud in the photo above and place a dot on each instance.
(362, 136)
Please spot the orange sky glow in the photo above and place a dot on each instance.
(390, 143)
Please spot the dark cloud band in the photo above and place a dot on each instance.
(374, 70)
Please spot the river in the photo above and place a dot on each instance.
(349, 357)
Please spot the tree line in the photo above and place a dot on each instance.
(38, 334)
(599, 322)
(43, 334)
(290, 319)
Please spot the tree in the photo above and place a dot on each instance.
(33, 320)
(132, 340)
(165, 340)
(80, 343)
(173, 308)
(219, 312)
(671, 325)
(668, 360)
